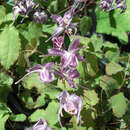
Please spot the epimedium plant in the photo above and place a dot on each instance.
(75, 78)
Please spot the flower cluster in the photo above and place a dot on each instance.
(24, 7)
(108, 5)
(64, 23)
(69, 57)
(66, 70)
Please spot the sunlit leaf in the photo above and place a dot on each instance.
(9, 47)
(18, 117)
(118, 104)
(113, 68)
(91, 97)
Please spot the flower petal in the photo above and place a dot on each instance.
(41, 125)
(74, 45)
(35, 67)
(56, 18)
(46, 76)
(56, 51)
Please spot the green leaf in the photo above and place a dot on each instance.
(112, 55)
(52, 6)
(35, 30)
(9, 47)
(48, 28)
(123, 36)
(50, 114)
(91, 97)
(5, 87)
(97, 43)
(53, 119)
(4, 114)
(32, 45)
(32, 81)
(118, 104)
(3, 119)
(51, 90)
(27, 99)
(2, 13)
(35, 116)
(5, 80)
(40, 101)
(85, 25)
(108, 83)
(18, 117)
(113, 68)
(61, 4)
(4, 109)
(83, 40)
(92, 66)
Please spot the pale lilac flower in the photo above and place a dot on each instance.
(69, 58)
(72, 104)
(58, 42)
(40, 17)
(69, 75)
(120, 4)
(106, 4)
(41, 125)
(46, 74)
(64, 22)
(23, 7)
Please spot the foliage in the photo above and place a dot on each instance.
(104, 80)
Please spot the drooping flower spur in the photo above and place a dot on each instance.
(46, 74)
(72, 104)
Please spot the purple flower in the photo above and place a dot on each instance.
(58, 42)
(23, 7)
(72, 104)
(106, 4)
(69, 58)
(41, 125)
(120, 4)
(46, 74)
(69, 75)
(40, 17)
(64, 23)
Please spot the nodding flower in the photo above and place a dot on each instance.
(72, 104)
(120, 4)
(69, 58)
(41, 125)
(106, 4)
(64, 23)
(40, 17)
(23, 7)
(46, 74)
